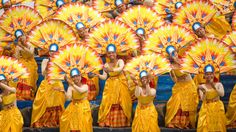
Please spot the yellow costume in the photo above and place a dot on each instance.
(210, 55)
(231, 113)
(27, 87)
(79, 60)
(180, 103)
(11, 119)
(77, 115)
(48, 104)
(115, 93)
(145, 118)
(212, 114)
(205, 14)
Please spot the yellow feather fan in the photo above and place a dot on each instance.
(73, 58)
(154, 64)
(112, 32)
(167, 38)
(224, 6)
(9, 3)
(141, 19)
(48, 7)
(195, 11)
(107, 5)
(234, 21)
(17, 21)
(78, 16)
(51, 32)
(230, 40)
(165, 7)
(208, 54)
(11, 68)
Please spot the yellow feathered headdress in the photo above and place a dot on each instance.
(167, 7)
(141, 19)
(234, 21)
(168, 38)
(107, 5)
(115, 34)
(48, 7)
(208, 55)
(78, 16)
(153, 64)
(17, 21)
(73, 60)
(9, 3)
(11, 69)
(51, 35)
(195, 14)
(224, 6)
(230, 40)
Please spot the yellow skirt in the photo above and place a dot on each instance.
(218, 26)
(181, 99)
(47, 97)
(145, 119)
(11, 120)
(212, 117)
(231, 110)
(115, 92)
(77, 116)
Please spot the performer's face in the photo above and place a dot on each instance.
(121, 8)
(76, 79)
(209, 76)
(200, 32)
(82, 32)
(144, 80)
(4, 82)
(111, 55)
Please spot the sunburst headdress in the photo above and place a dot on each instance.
(167, 7)
(225, 6)
(48, 7)
(152, 64)
(9, 3)
(108, 5)
(230, 40)
(73, 60)
(208, 55)
(17, 21)
(141, 19)
(51, 35)
(11, 69)
(79, 16)
(112, 35)
(195, 14)
(168, 38)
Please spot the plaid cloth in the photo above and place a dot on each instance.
(24, 91)
(92, 92)
(50, 118)
(232, 125)
(116, 117)
(181, 120)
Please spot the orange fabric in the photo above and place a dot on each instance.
(116, 117)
